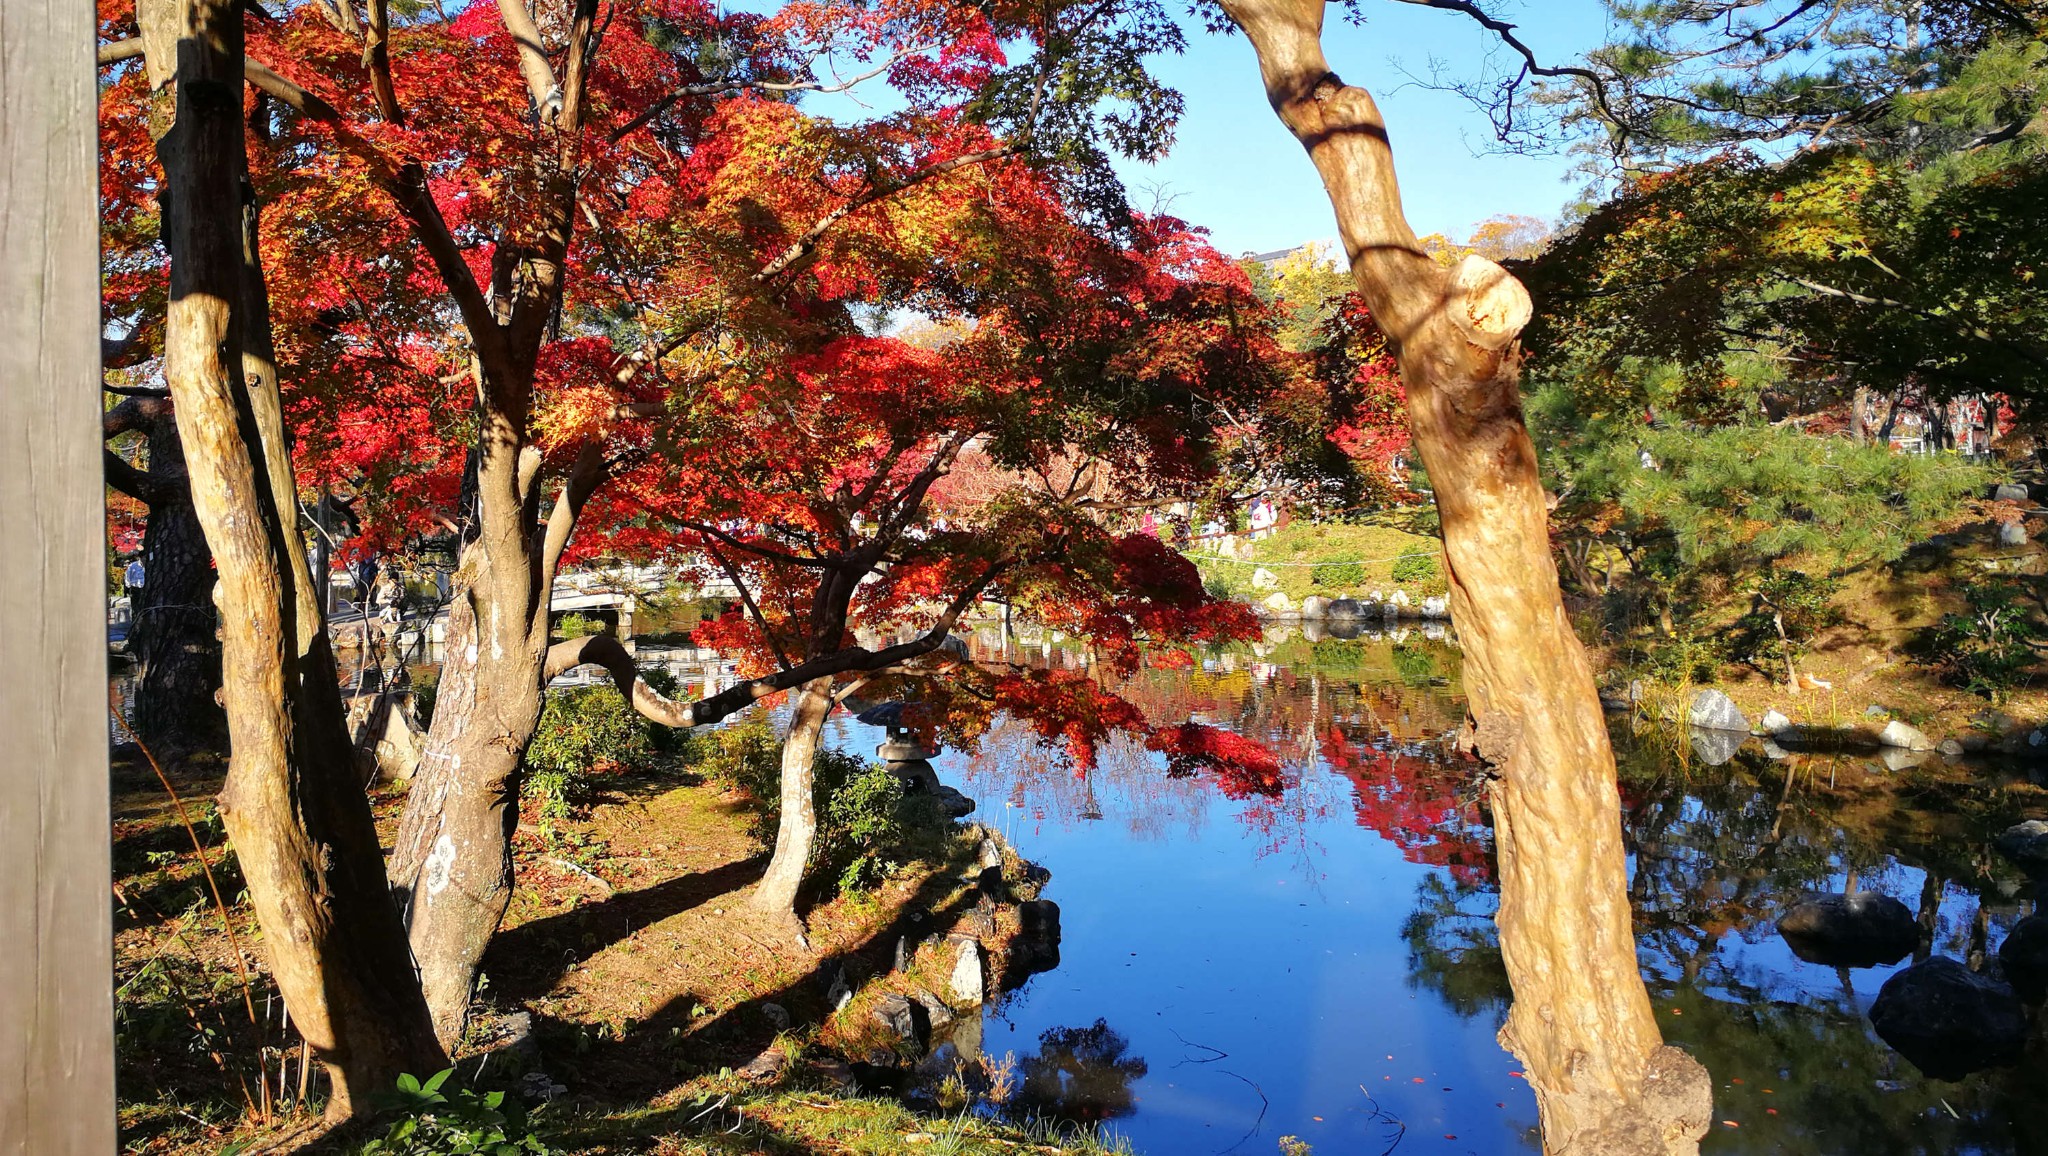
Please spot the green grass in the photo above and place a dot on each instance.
(791, 1121)
(1294, 553)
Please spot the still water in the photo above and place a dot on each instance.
(1322, 963)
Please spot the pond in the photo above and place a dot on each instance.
(1322, 963)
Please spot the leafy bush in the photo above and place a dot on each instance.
(1415, 566)
(744, 756)
(1788, 608)
(426, 690)
(1988, 650)
(584, 732)
(575, 625)
(867, 824)
(1683, 659)
(456, 1124)
(1338, 575)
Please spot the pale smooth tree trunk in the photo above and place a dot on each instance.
(299, 822)
(797, 830)
(1581, 1021)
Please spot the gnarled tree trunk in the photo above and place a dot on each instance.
(1581, 1021)
(293, 807)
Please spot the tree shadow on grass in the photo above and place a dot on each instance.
(527, 961)
(679, 1041)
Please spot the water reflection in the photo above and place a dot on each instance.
(1336, 939)
(1079, 1075)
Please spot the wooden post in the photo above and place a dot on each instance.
(56, 918)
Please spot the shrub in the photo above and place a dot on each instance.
(434, 1124)
(1788, 608)
(426, 690)
(1338, 575)
(574, 625)
(585, 731)
(1683, 659)
(1988, 650)
(867, 825)
(1415, 566)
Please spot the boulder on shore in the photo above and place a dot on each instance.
(1904, 736)
(1861, 930)
(1950, 1021)
(1315, 606)
(1715, 711)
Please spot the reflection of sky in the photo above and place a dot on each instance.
(1252, 951)
(1266, 930)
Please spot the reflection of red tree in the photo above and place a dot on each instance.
(1241, 766)
(1412, 802)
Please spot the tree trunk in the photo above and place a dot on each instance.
(297, 817)
(1581, 1021)
(798, 829)
(173, 635)
(451, 864)
(1859, 422)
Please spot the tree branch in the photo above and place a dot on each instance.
(606, 651)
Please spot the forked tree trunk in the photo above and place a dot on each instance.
(798, 829)
(1581, 1021)
(300, 824)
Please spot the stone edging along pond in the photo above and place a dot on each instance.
(1277, 606)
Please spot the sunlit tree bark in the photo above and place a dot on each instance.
(1581, 1021)
(292, 804)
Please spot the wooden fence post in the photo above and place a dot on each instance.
(56, 919)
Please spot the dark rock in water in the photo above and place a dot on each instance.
(1948, 1020)
(2024, 956)
(1861, 930)
(936, 1013)
(1344, 608)
(1345, 629)
(1040, 918)
(906, 1018)
(2026, 843)
(1037, 946)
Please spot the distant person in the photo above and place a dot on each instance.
(388, 597)
(131, 579)
(1262, 518)
(1149, 525)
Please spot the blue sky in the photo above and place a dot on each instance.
(1238, 172)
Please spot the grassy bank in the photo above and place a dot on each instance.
(666, 1017)
(1332, 559)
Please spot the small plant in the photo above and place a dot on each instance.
(1788, 609)
(1415, 566)
(461, 1123)
(1295, 1146)
(1682, 659)
(574, 625)
(1988, 650)
(1338, 575)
